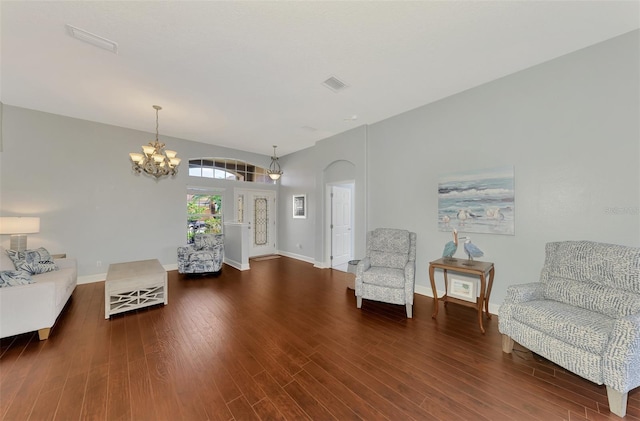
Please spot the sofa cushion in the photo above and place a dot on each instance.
(604, 299)
(5, 261)
(10, 278)
(580, 327)
(384, 276)
(33, 261)
(65, 280)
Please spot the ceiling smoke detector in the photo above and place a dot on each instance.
(93, 39)
(335, 84)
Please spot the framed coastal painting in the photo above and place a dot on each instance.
(462, 289)
(480, 201)
(299, 205)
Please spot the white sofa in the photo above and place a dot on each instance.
(36, 306)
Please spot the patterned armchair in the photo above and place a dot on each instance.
(583, 314)
(206, 254)
(387, 273)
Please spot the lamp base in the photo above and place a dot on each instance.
(18, 242)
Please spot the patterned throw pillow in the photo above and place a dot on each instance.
(33, 261)
(10, 278)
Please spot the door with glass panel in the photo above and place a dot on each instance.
(258, 212)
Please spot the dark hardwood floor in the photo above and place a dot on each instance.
(282, 341)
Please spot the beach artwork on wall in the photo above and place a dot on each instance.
(477, 201)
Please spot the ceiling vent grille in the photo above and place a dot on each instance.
(92, 39)
(335, 84)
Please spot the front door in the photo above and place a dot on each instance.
(261, 213)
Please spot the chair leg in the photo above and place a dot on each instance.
(409, 311)
(507, 344)
(359, 301)
(617, 402)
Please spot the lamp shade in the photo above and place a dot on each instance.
(19, 225)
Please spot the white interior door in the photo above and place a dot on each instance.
(341, 225)
(260, 207)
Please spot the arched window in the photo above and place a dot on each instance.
(228, 169)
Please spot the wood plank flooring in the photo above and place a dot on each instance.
(282, 341)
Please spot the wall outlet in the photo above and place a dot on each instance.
(99, 264)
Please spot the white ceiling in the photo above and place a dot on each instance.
(248, 75)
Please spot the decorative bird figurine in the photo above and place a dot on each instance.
(452, 246)
(471, 249)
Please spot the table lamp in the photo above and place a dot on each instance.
(18, 227)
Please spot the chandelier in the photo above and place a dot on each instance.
(155, 160)
(274, 170)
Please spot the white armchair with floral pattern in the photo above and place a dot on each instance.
(205, 255)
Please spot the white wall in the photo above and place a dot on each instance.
(571, 129)
(77, 177)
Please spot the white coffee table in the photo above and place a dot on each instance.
(133, 285)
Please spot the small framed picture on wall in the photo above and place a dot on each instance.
(299, 205)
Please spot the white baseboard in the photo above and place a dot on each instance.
(236, 265)
(296, 256)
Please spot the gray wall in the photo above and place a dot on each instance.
(77, 177)
(570, 128)
(308, 172)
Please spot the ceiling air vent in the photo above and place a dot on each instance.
(335, 84)
(93, 39)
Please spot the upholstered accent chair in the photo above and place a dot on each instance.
(387, 273)
(205, 255)
(583, 314)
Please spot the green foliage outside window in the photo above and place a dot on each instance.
(204, 215)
